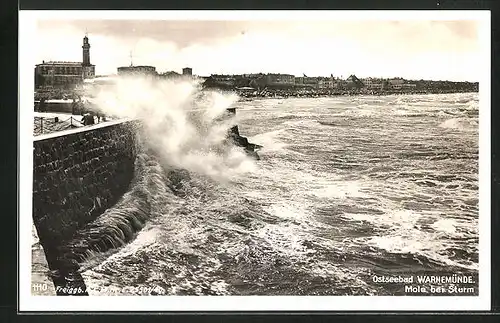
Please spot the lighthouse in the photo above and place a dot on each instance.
(87, 68)
(86, 51)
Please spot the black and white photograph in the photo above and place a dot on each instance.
(311, 160)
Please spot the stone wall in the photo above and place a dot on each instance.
(77, 174)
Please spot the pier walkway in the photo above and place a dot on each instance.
(41, 283)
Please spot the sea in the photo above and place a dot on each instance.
(348, 188)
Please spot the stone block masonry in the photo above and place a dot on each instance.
(77, 175)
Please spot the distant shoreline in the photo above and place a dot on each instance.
(277, 94)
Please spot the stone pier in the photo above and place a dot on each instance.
(77, 174)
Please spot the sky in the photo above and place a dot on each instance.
(412, 49)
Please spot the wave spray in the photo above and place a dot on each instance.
(183, 131)
(185, 126)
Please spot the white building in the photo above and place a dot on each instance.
(373, 83)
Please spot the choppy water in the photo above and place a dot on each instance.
(346, 188)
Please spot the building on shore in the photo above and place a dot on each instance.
(306, 81)
(273, 79)
(328, 82)
(396, 83)
(221, 80)
(324, 83)
(58, 74)
(409, 85)
(253, 76)
(63, 74)
(372, 83)
(353, 82)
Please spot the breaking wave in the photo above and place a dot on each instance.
(185, 126)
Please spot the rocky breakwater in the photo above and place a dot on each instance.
(240, 141)
(77, 175)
